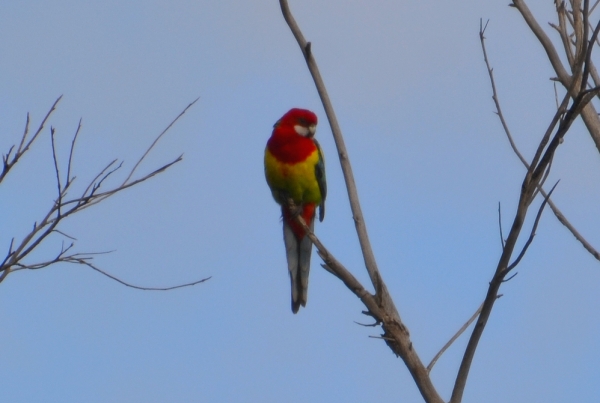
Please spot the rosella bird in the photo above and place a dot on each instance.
(295, 168)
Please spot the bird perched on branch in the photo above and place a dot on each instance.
(295, 169)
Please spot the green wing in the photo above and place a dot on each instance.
(321, 180)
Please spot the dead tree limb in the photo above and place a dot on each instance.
(589, 114)
(537, 171)
(559, 215)
(67, 205)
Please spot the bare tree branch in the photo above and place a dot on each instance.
(25, 144)
(562, 30)
(500, 225)
(559, 215)
(158, 138)
(589, 114)
(536, 172)
(85, 260)
(396, 335)
(65, 206)
(69, 179)
(56, 170)
(454, 338)
(137, 287)
(537, 30)
(532, 233)
(96, 185)
(563, 220)
(495, 93)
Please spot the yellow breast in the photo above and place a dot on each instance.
(297, 180)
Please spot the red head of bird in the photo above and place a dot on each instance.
(303, 121)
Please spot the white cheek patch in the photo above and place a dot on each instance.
(301, 130)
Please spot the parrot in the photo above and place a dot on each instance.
(295, 168)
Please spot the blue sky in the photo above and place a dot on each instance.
(431, 162)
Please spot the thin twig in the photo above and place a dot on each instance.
(22, 150)
(65, 235)
(25, 144)
(510, 278)
(562, 29)
(54, 158)
(118, 280)
(95, 198)
(126, 183)
(500, 225)
(158, 138)
(9, 254)
(453, 339)
(382, 338)
(94, 181)
(71, 152)
(495, 93)
(25, 132)
(374, 324)
(533, 230)
(563, 220)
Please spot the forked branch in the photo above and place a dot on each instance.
(559, 215)
(65, 206)
(9, 160)
(395, 334)
(589, 115)
(454, 338)
(537, 171)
